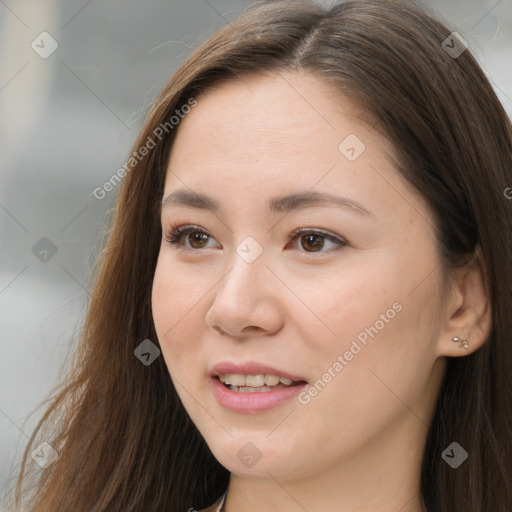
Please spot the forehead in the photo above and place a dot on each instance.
(273, 108)
(248, 139)
(278, 123)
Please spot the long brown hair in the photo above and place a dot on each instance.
(124, 440)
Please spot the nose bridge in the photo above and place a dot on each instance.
(247, 272)
(242, 298)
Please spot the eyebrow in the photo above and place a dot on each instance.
(296, 201)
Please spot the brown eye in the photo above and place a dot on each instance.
(313, 242)
(188, 237)
(196, 239)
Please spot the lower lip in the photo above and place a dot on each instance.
(253, 402)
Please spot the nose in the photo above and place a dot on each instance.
(247, 300)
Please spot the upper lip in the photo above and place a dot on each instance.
(250, 368)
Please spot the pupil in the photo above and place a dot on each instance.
(314, 240)
(196, 237)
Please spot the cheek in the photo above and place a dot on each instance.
(349, 303)
(379, 326)
(177, 310)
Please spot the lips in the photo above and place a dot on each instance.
(252, 398)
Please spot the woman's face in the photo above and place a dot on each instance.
(349, 307)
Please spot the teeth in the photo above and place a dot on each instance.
(235, 380)
(258, 382)
(245, 389)
(271, 380)
(254, 381)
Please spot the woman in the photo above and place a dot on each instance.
(304, 300)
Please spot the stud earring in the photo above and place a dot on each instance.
(463, 343)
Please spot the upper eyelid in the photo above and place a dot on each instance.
(295, 232)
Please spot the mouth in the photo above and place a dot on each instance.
(253, 387)
(257, 383)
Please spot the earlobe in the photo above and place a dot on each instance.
(462, 343)
(469, 318)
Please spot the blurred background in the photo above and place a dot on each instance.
(76, 80)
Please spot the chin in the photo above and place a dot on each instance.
(259, 459)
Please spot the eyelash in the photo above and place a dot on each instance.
(176, 233)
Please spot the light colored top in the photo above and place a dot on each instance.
(222, 502)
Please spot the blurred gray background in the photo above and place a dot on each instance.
(69, 115)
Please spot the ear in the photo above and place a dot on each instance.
(468, 310)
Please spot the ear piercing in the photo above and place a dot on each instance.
(463, 343)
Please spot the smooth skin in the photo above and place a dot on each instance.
(358, 444)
